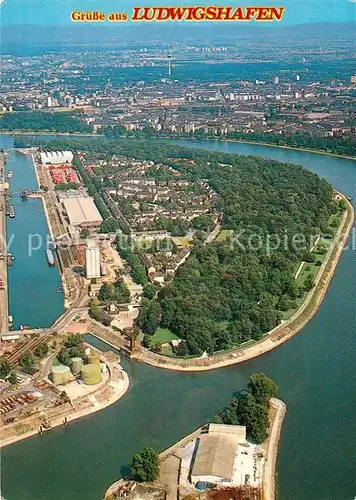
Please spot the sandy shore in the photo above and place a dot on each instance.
(118, 392)
(278, 410)
(278, 335)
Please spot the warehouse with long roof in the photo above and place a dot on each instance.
(215, 460)
(82, 212)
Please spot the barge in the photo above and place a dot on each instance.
(50, 257)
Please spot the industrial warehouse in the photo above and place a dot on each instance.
(82, 212)
(56, 157)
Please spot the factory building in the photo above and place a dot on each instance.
(82, 212)
(92, 260)
(216, 460)
(56, 157)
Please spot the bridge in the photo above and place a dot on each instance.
(35, 336)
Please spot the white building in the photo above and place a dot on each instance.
(92, 260)
(217, 460)
(49, 102)
(56, 157)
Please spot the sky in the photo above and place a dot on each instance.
(57, 12)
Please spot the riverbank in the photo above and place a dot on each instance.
(277, 413)
(65, 134)
(111, 391)
(237, 141)
(283, 332)
(307, 150)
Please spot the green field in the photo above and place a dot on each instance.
(162, 336)
(223, 235)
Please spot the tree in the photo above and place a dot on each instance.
(145, 465)
(42, 350)
(73, 340)
(158, 348)
(149, 317)
(5, 368)
(254, 416)
(134, 334)
(149, 291)
(109, 225)
(84, 233)
(64, 357)
(308, 283)
(13, 378)
(27, 360)
(262, 388)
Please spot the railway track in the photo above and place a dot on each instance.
(30, 345)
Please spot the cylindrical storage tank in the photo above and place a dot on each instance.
(60, 374)
(91, 374)
(103, 367)
(76, 365)
(94, 358)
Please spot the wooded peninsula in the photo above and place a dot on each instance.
(238, 287)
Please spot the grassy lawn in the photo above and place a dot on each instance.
(288, 314)
(183, 242)
(223, 235)
(334, 223)
(307, 269)
(162, 336)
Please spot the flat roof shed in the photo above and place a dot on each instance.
(82, 211)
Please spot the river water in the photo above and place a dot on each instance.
(315, 371)
(33, 299)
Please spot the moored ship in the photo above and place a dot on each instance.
(12, 213)
(10, 174)
(50, 257)
(10, 259)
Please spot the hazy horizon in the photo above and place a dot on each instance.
(52, 13)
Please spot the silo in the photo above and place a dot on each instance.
(76, 365)
(60, 374)
(91, 374)
(94, 358)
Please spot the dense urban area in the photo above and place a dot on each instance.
(229, 88)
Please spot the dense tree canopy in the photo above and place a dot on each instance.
(38, 120)
(115, 292)
(250, 408)
(145, 465)
(262, 388)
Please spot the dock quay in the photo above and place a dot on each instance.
(4, 311)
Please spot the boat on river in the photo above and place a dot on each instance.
(10, 259)
(12, 213)
(50, 257)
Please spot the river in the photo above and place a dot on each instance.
(315, 372)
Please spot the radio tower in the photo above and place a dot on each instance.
(169, 56)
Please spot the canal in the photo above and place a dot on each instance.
(315, 372)
(33, 299)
